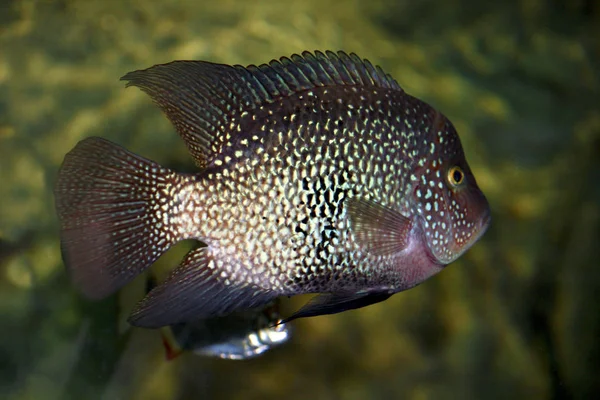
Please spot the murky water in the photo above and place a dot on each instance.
(516, 317)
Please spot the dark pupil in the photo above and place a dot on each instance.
(457, 176)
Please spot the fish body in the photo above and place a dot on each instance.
(317, 174)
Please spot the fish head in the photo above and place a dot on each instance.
(451, 209)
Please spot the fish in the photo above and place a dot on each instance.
(316, 174)
(238, 336)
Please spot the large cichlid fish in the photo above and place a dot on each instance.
(317, 174)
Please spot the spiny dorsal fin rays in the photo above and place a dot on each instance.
(193, 95)
(206, 101)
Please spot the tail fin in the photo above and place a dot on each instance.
(114, 225)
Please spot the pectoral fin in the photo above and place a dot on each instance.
(378, 229)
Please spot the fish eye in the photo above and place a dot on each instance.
(456, 176)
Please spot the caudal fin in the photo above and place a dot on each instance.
(113, 219)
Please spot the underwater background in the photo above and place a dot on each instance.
(518, 316)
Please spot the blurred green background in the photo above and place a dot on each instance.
(516, 317)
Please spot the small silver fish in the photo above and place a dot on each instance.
(317, 173)
(237, 336)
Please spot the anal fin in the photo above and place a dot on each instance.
(196, 290)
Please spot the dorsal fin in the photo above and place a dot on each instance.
(205, 101)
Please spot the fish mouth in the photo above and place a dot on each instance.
(484, 224)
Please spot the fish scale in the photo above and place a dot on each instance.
(318, 174)
(233, 182)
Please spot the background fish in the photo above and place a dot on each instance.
(319, 174)
(237, 336)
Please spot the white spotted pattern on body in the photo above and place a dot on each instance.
(318, 174)
(278, 205)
